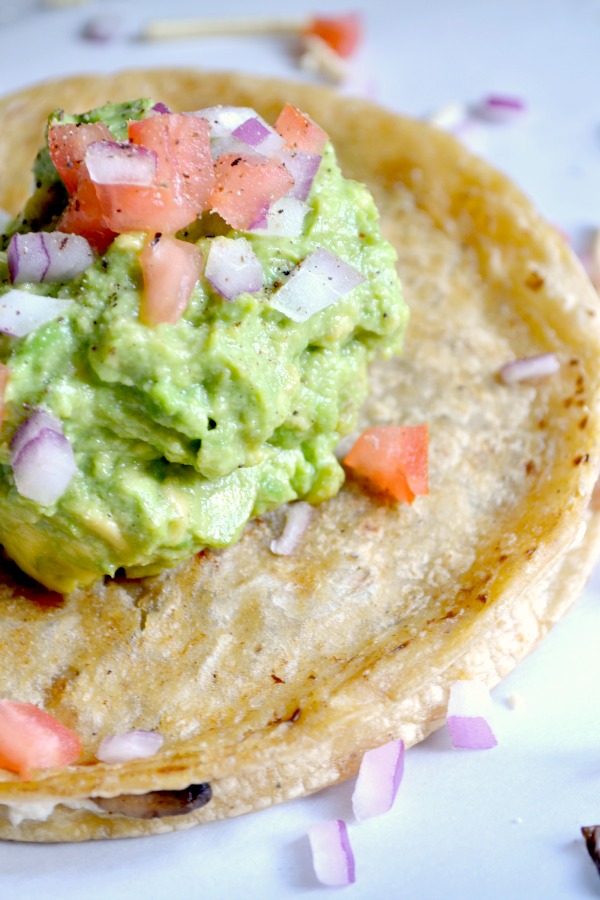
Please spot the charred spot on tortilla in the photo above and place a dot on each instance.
(157, 804)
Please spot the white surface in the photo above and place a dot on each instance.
(496, 824)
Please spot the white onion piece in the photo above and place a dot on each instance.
(469, 709)
(119, 748)
(318, 282)
(233, 268)
(529, 368)
(379, 777)
(284, 218)
(44, 466)
(47, 257)
(108, 162)
(500, 109)
(448, 117)
(225, 119)
(21, 312)
(297, 520)
(303, 168)
(332, 855)
(228, 144)
(38, 421)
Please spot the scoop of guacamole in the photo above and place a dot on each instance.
(183, 432)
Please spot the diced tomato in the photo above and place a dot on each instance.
(33, 739)
(299, 132)
(4, 376)
(393, 459)
(184, 177)
(343, 33)
(83, 216)
(170, 269)
(246, 186)
(68, 144)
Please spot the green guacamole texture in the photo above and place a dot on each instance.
(182, 433)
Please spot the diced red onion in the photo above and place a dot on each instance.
(284, 218)
(378, 780)
(47, 256)
(44, 464)
(38, 421)
(111, 163)
(22, 312)
(102, 28)
(318, 282)
(332, 855)
(303, 168)
(469, 707)
(497, 108)
(529, 368)
(161, 108)
(258, 135)
(119, 748)
(233, 268)
(297, 520)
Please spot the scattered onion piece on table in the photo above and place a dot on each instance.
(170, 271)
(392, 459)
(379, 778)
(469, 709)
(31, 738)
(529, 368)
(120, 748)
(333, 859)
(102, 29)
(297, 520)
(500, 108)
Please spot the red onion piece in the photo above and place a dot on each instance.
(497, 108)
(22, 312)
(233, 268)
(297, 520)
(42, 461)
(119, 748)
(47, 257)
(378, 780)
(259, 136)
(284, 218)
(225, 119)
(111, 163)
(38, 421)
(469, 706)
(529, 368)
(161, 108)
(303, 168)
(318, 282)
(333, 859)
(102, 28)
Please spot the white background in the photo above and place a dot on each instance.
(496, 824)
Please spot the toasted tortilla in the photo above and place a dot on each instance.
(270, 676)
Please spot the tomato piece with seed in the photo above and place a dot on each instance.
(393, 459)
(33, 739)
(299, 131)
(68, 144)
(245, 187)
(170, 269)
(342, 33)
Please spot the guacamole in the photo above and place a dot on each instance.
(183, 432)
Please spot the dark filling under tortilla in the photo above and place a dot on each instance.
(157, 804)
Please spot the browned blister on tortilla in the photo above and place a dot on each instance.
(269, 676)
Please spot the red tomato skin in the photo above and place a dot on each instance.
(67, 145)
(33, 739)
(183, 182)
(299, 132)
(342, 33)
(170, 269)
(393, 459)
(245, 187)
(83, 216)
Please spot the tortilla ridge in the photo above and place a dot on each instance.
(523, 596)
